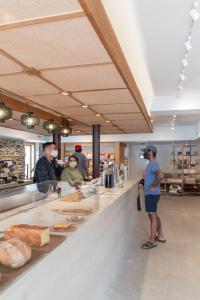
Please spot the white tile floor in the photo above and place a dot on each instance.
(171, 271)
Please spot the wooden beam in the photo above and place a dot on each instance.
(25, 107)
(48, 19)
(96, 14)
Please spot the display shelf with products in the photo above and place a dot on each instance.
(185, 176)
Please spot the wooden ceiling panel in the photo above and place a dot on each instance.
(130, 123)
(20, 10)
(75, 112)
(117, 108)
(86, 78)
(24, 85)
(55, 44)
(105, 97)
(7, 66)
(127, 116)
(91, 120)
(54, 101)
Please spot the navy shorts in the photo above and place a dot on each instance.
(151, 203)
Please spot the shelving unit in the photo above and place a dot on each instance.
(185, 177)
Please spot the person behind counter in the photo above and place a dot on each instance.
(72, 174)
(44, 170)
(82, 161)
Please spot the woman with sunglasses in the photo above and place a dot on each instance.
(72, 174)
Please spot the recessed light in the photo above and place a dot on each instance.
(65, 93)
(172, 128)
(107, 121)
(78, 131)
(151, 120)
(10, 119)
(98, 115)
(84, 106)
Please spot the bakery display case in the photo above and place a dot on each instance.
(52, 226)
(34, 220)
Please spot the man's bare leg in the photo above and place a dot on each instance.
(154, 226)
(159, 229)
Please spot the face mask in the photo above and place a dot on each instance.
(73, 164)
(146, 155)
(54, 153)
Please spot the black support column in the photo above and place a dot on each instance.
(96, 150)
(57, 141)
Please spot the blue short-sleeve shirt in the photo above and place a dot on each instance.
(150, 177)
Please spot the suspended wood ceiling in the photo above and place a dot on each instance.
(49, 46)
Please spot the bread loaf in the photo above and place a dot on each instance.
(75, 197)
(35, 236)
(14, 253)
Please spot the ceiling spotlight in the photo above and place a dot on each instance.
(65, 93)
(196, 3)
(98, 115)
(84, 106)
(78, 131)
(194, 14)
(184, 62)
(188, 45)
(172, 128)
(180, 88)
(107, 121)
(182, 76)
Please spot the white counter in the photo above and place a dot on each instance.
(83, 266)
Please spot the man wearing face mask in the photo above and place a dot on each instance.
(72, 174)
(152, 178)
(44, 170)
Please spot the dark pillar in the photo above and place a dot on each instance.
(57, 141)
(96, 150)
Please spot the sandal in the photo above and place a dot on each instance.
(160, 241)
(149, 245)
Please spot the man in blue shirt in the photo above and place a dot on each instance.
(152, 177)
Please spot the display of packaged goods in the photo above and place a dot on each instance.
(75, 197)
(33, 235)
(79, 211)
(14, 253)
(189, 180)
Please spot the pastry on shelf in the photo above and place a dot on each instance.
(75, 197)
(75, 219)
(79, 211)
(33, 235)
(63, 226)
(14, 253)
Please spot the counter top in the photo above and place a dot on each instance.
(14, 184)
(79, 259)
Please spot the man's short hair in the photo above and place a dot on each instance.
(47, 144)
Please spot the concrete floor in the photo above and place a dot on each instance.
(168, 272)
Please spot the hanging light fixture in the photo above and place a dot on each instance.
(5, 112)
(30, 120)
(50, 126)
(65, 131)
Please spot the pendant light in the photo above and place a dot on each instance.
(5, 112)
(50, 126)
(30, 120)
(65, 131)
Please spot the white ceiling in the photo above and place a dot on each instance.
(164, 27)
(48, 47)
